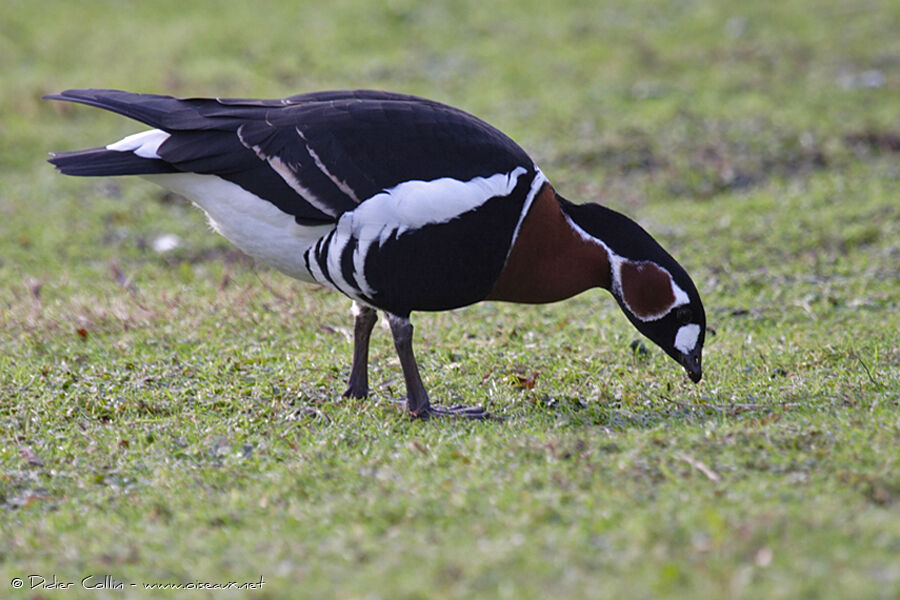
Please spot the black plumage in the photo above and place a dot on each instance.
(368, 140)
(400, 203)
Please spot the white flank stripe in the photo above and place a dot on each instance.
(686, 338)
(254, 225)
(415, 204)
(144, 144)
(359, 257)
(333, 253)
(412, 205)
(315, 270)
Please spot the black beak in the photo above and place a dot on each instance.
(692, 364)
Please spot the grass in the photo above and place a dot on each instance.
(174, 417)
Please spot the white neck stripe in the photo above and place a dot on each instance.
(615, 271)
(539, 180)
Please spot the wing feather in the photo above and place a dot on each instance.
(317, 155)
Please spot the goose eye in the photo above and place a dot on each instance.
(684, 315)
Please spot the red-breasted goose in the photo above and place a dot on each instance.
(401, 204)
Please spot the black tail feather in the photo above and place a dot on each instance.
(164, 112)
(103, 162)
(151, 109)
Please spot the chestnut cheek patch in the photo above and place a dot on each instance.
(648, 289)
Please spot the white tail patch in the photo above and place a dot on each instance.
(254, 225)
(144, 144)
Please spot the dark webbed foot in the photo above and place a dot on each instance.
(457, 411)
(417, 403)
(355, 391)
(358, 384)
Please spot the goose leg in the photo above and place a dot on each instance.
(417, 403)
(364, 321)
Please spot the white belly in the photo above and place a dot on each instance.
(254, 225)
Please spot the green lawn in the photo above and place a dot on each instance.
(175, 417)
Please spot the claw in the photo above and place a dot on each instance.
(355, 392)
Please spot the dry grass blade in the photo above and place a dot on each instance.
(700, 466)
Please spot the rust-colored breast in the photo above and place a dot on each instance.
(550, 261)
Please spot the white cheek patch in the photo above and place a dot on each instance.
(686, 338)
